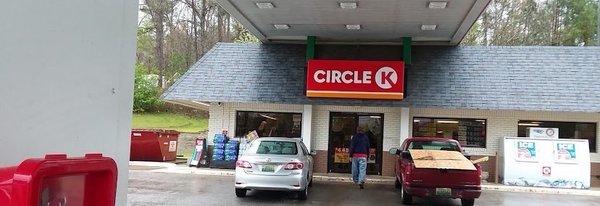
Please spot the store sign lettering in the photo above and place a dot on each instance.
(355, 79)
(346, 77)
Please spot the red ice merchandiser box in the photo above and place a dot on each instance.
(153, 145)
(58, 181)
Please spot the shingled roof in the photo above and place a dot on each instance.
(527, 78)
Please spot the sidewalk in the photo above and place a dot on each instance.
(165, 167)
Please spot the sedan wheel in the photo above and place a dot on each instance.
(240, 192)
(303, 194)
(397, 184)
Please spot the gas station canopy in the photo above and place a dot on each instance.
(436, 22)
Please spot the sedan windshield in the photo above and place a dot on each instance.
(434, 145)
(275, 148)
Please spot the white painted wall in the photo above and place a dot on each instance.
(398, 121)
(66, 79)
(307, 126)
(504, 123)
(405, 121)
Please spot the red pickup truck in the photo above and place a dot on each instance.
(430, 182)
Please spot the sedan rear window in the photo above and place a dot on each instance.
(434, 145)
(276, 148)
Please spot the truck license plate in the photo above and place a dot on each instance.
(268, 168)
(443, 192)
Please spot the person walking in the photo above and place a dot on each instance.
(359, 151)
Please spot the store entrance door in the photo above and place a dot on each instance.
(341, 128)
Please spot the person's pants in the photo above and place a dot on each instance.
(359, 169)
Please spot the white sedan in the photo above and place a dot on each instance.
(275, 163)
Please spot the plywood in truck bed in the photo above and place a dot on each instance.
(436, 159)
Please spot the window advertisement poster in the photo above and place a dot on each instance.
(555, 163)
(565, 153)
(342, 155)
(542, 132)
(372, 156)
(526, 151)
(198, 156)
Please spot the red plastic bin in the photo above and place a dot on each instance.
(57, 180)
(154, 145)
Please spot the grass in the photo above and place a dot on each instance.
(181, 123)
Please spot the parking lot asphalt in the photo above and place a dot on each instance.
(152, 188)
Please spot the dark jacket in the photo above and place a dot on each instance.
(359, 144)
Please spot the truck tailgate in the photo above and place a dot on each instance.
(446, 169)
(445, 178)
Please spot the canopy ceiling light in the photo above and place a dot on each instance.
(529, 124)
(428, 27)
(265, 5)
(437, 4)
(348, 5)
(353, 26)
(281, 26)
(447, 121)
(268, 117)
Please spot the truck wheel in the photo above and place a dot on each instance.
(397, 184)
(406, 198)
(240, 192)
(467, 202)
(303, 194)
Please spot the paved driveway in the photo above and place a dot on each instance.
(151, 188)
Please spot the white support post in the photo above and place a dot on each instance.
(404, 124)
(307, 126)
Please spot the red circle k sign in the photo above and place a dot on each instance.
(355, 79)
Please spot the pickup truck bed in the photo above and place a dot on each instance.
(437, 173)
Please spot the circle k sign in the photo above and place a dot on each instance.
(355, 79)
(386, 77)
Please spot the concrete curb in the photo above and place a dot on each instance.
(162, 167)
(348, 179)
(541, 190)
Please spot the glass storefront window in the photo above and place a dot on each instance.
(342, 126)
(566, 130)
(468, 132)
(268, 124)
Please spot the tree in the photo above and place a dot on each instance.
(243, 35)
(536, 22)
(159, 11)
(174, 34)
(580, 22)
(145, 47)
(145, 93)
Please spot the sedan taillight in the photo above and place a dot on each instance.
(243, 164)
(294, 166)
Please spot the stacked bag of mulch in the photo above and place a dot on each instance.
(231, 150)
(218, 153)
